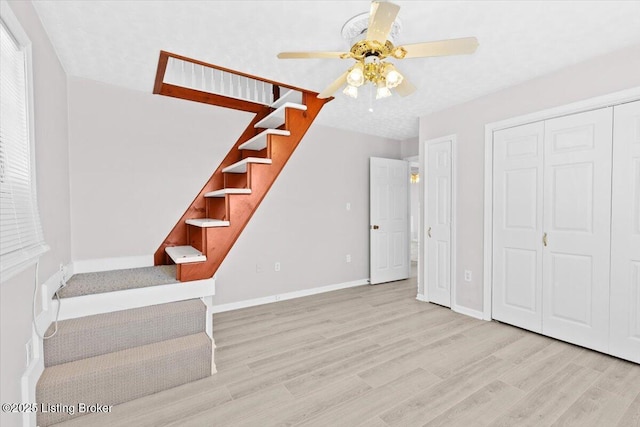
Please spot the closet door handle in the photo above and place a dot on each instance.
(429, 232)
(544, 239)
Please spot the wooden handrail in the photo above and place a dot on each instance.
(164, 60)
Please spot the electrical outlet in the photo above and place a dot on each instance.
(348, 206)
(29, 351)
(276, 267)
(258, 268)
(348, 257)
(467, 275)
(63, 276)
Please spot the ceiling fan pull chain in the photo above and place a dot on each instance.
(371, 99)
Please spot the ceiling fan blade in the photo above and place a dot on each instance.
(307, 55)
(334, 86)
(442, 47)
(405, 88)
(381, 19)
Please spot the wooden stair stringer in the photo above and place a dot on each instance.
(221, 239)
(178, 234)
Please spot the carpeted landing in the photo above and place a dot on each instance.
(118, 280)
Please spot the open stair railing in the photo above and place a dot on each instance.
(205, 233)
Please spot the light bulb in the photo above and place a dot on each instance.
(351, 91)
(356, 75)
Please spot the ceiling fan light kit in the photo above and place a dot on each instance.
(371, 44)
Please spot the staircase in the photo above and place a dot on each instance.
(111, 358)
(207, 230)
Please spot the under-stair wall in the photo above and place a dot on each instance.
(205, 233)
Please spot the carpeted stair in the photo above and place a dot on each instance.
(111, 358)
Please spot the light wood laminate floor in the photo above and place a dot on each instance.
(374, 356)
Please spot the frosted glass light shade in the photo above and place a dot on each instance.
(383, 92)
(356, 75)
(351, 91)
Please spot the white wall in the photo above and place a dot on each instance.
(599, 76)
(137, 161)
(303, 222)
(409, 147)
(52, 174)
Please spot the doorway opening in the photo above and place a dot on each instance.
(414, 214)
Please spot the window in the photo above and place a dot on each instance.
(21, 236)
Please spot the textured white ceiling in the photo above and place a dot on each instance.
(118, 42)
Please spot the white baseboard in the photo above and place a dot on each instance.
(458, 309)
(220, 308)
(468, 312)
(108, 302)
(108, 264)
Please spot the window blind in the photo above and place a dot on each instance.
(21, 236)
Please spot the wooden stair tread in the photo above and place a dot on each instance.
(277, 117)
(207, 222)
(241, 166)
(290, 96)
(222, 192)
(184, 254)
(259, 142)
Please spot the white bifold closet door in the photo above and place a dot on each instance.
(577, 225)
(625, 234)
(517, 225)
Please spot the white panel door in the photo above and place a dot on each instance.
(438, 223)
(625, 234)
(389, 220)
(517, 226)
(577, 223)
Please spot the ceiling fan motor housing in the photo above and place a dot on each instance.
(355, 29)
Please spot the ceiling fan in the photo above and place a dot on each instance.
(371, 49)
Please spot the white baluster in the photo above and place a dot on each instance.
(183, 75)
(194, 76)
(168, 74)
(247, 91)
(213, 81)
(231, 84)
(255, 90)
(203, 86)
